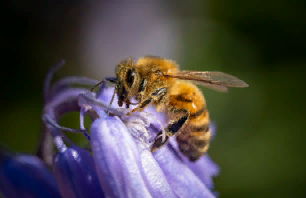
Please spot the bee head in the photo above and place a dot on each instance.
(126, 76)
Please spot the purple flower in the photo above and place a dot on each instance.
(120, 163)
(26, 176)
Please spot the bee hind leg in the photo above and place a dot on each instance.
(159, 141)
(170, 130)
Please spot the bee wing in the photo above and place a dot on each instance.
(218, 81)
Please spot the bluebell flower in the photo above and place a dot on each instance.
(119, 163)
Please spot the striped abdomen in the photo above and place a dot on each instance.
(194, 137)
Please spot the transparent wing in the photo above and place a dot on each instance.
(218, 81)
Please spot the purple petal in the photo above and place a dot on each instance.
(49, 76)
(213, 129)
(106, 97)
(70, 80)
(180, 177)
(26, 176)
(62, 97)
(204, 168)
(117, 159)
(157, 182)
(75, 173)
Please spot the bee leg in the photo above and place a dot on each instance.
(157, 95)
(159, 141)
(103, 82)
(140, 107)
(171, 130)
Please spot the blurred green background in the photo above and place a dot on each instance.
(260, 141)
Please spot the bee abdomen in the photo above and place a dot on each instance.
(195, 138)
(200, 137)
(202, 112)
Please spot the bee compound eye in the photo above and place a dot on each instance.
(130, 77)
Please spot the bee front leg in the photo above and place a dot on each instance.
(157, 96)
(141, 106)
(170, 130)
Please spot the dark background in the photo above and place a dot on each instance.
(260, 142)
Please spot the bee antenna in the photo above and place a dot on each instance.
(113, 96)
(96, 85)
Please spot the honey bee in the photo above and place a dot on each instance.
(158, 81)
